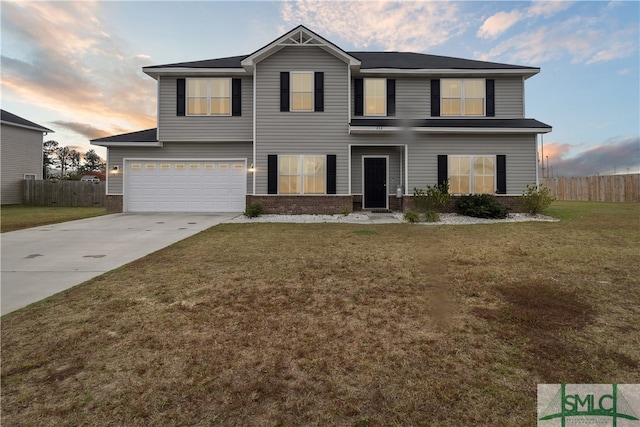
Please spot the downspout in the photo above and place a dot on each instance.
(255, 161)
(349, 127)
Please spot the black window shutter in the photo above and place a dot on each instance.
(318, 87)
(435, 98)
(272, 174)
(284, 91)
(491, 97)
(391, 97)
(501, 174)
(331, 174)
(358, 86)
(443, 169)
(181, 90)
(236, 97)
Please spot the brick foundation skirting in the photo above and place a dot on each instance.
(113, 204)
(297, 205)
(321, 205)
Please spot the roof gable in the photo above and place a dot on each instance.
(11, 119)
(299, 36)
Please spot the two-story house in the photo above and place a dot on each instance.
(20, 154)
(302, 126)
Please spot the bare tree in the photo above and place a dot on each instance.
(67, 159)
(48, 160)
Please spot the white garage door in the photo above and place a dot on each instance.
(185, 186)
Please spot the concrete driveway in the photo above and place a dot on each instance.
(42, 261)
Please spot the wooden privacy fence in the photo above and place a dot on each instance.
(605, 188)
(63, 193)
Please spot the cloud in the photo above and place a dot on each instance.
(548, 8)
(580, 38)
(87, 130)
(498, 24)
(409, 26)
(614, 155)
(59, 56)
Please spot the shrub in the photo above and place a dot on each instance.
(481, 206)
(536, 199)
(253, 210)
(431, 216)
(412, 217)
(433, 199)
(345, 210)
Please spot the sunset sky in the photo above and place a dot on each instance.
(75, 67)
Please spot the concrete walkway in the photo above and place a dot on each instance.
(42, 261)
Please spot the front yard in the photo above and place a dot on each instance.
(337, 324)
(18, 217)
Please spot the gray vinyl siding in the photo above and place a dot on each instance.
(296, 133)
(413, 98)
(203, 128)
(21, 154)
(176, 150)
(520, 151)
(509, 98)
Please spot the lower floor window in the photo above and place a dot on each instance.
(301, 175)
(472, 174)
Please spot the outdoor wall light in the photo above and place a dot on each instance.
(251, 168)
(114, 169)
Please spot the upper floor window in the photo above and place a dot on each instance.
(375, 97)
(301, 91)
(209, 97)
(463, 97)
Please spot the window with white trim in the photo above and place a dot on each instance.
(30, 176)
(472, 174)
(301, 91)
(301, 174)
(375, 97)
(209, 97)
(462, 97)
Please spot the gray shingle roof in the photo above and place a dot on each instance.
(410, 60)
(454, 123)
(394, 60)
(10, 118)
(148, 135)
(229, 62)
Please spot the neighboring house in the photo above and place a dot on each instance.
(301, 126)
(21, 152)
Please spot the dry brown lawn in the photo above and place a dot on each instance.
(336, 324)
(18, 217)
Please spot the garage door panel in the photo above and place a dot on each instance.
(185, 186)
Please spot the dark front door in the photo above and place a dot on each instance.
(375, 182)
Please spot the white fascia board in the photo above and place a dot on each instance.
(128, 144)
(182, 71)
(527, 72)
(396, 129)
(41, 130)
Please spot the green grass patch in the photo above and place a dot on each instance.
(311, 324)
(19, 217)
